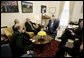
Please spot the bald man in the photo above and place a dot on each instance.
(29, 26)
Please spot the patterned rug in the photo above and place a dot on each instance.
(47, 50)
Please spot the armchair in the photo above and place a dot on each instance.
(9, 31)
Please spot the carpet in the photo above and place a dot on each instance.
(48, 50)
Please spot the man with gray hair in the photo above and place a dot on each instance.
(18, 44)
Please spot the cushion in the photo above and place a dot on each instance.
(35, 26)
(8, 32)
(31, 34)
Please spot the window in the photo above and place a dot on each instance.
(65, 15)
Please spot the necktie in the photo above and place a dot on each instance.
(31, 26)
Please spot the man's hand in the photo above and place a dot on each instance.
(37, 25)
(76, 39)
(23, 31)
(81, 47)
(73, 34)
(28, 52)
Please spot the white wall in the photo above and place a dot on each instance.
(77, 11)
(55, 4)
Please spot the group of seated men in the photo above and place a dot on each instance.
(20, 42)
(22, 46)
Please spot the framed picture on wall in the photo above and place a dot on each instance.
(43, 9)
(27, 7)
(9, 7)
(52, 10)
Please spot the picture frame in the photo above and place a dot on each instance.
(52, 10)
(43, 9)
(27, 7)
(9, 7)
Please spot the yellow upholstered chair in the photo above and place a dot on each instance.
(30, 33)
(35, 26)
(9, 31)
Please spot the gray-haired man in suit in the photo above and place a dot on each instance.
(52, 26)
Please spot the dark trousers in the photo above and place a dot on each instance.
(62, 50)
(76, 48)
(27, 37)
(35, 31)
(60, 53)
(53, 34)
(74, 52)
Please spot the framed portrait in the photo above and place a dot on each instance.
(9, 7)
(52, 10)
(27, 7)
(43, 9)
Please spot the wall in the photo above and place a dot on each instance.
(62, 3)
(72, 3)
(8, 18)
(76, 15)
(55, 4)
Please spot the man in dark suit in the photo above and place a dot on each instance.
(30, 28)
(52, 26)
(79, 39)
(17, 23)
(18, 43)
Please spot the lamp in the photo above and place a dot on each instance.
(45, 17)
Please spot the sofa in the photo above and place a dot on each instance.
(9, 31)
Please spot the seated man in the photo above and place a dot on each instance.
(79, 39)
(18, 43)
(52, 26)
(64, 39)
(17, 23)
(30, 28)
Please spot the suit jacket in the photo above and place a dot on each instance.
(28, 26)
(66, 35)
(55, 24)
(79, 34)
(13, 27)
(18, 44)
